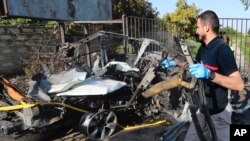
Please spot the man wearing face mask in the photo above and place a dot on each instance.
(216, 65)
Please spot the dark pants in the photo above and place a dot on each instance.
(221, 123)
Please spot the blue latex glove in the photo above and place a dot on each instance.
(168, 63)
(199, 71)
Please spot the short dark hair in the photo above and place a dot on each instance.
(210, 17)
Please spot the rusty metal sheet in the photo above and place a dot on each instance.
(65, 10)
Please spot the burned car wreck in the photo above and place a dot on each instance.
(92, 96)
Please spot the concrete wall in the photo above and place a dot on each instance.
(17, 42)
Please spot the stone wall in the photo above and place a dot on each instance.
(16, 42)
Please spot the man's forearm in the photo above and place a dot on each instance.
(233, 82)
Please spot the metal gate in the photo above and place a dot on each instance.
(238, 31)
(139, 27)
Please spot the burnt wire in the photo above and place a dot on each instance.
(203, 106)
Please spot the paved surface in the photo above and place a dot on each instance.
(152, 133)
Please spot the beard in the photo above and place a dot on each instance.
(200, 38)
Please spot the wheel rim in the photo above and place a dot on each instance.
(98, 126)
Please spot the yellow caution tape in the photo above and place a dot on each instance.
(142, 126)
(16, 107)
(62, 104)
(27, 105)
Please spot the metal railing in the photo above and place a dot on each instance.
(237, 29)
(137, 27)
